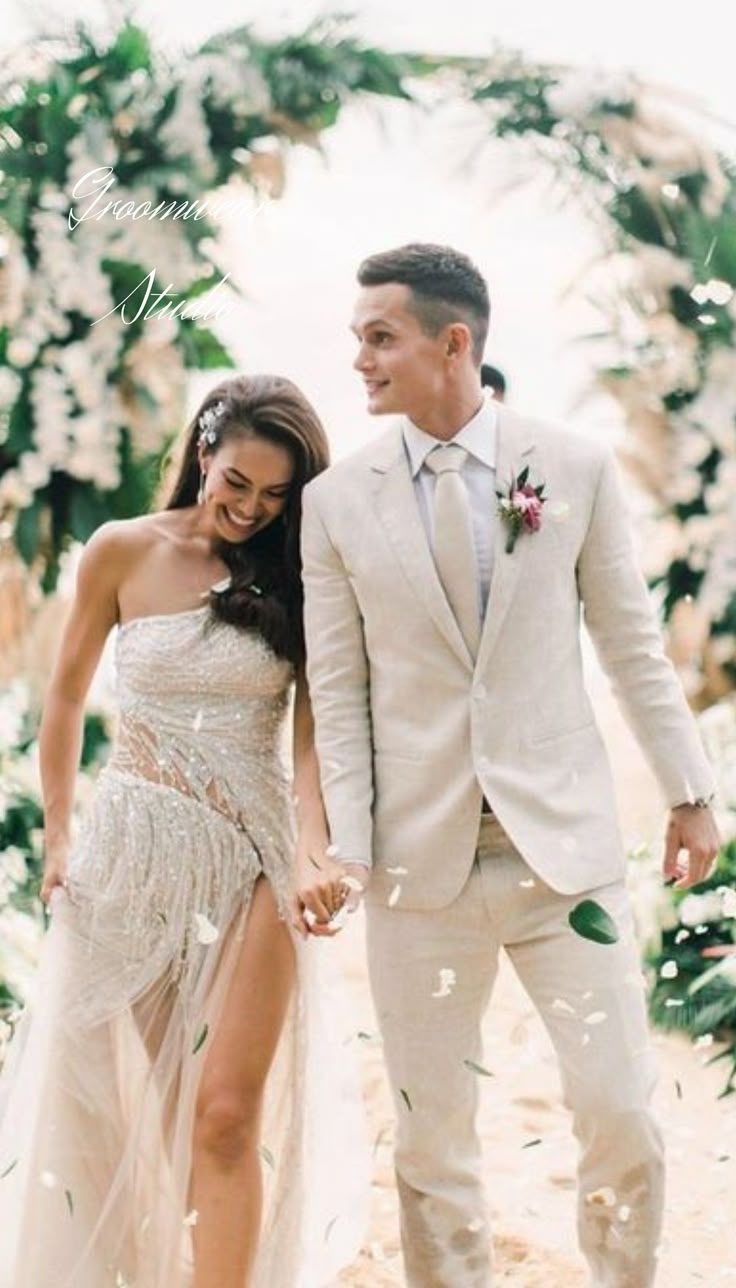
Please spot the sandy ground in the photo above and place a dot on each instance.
(532, 1190)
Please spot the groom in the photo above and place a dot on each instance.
(464, 776)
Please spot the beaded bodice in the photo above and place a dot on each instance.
(202, 707)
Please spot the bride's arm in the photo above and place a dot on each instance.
(93, 613)
(318, 875)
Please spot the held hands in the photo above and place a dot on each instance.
(324, 889)
(690, 828)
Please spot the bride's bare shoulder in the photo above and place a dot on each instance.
(116, 547)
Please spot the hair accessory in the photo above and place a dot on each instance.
(208, 424)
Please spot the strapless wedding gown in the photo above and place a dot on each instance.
(98, 1094)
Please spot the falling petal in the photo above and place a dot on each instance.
(398, 872)
(586, 1039)
(69, 1201)
(192, 1218)
(477, 1068)
(206, 932)
(330, 1227)
(678, 1089)
(589, 920)
(596, 1017)
(531, 1143)
(624, 1213)
(48, 1180)
(705, 1040)
(332, 850)
(201, 1039)
(448, 979)
(564, 1007)
(267, 1156)
(393, 898)
(407, 1101)
(528, 884)
(604, 1197)
(9, 1169)
(197, 721)
(351, 883)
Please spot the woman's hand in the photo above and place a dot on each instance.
(323, 888)
(54, 876)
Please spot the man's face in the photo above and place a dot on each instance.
(403, 369)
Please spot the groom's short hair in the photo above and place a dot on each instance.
(445, 287)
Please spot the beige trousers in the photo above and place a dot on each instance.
(606, 1066)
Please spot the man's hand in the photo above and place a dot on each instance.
(690, 828)
(326, 889)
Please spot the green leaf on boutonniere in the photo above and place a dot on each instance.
(590, 921)
(520, 482)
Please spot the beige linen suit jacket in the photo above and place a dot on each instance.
(411, 731)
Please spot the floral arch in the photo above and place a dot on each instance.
(90, 398)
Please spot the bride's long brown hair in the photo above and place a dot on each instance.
(265, 593)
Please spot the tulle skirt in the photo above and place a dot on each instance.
(99, 1089)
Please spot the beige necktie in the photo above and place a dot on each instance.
(454, 552)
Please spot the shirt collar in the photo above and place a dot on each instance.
(478, 437)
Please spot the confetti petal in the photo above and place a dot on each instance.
(201, 1039)
(393, 898)
(589, 920)
(596, 1017)
(448, 979)
(207, 933)
(477, 1068)
(604, 1197)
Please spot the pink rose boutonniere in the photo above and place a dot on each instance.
(521, 508)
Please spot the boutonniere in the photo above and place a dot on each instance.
(521, 508)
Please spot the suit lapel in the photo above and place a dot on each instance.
(514, 450)
(398, 511)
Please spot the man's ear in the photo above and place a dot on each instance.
(459, 339)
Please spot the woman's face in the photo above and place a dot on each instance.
(246, 485)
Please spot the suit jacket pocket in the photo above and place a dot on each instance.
(578, 724)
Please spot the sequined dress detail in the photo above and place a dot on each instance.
(99, 1091)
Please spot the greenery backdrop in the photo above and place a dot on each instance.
(88, 411)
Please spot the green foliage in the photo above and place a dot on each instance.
(118, 99)
(697, 992)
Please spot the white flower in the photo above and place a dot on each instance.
(14, 493)
(13, 711)
(579, 93)
(701, 909)
(21, 351)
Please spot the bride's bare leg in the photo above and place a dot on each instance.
(226, 1167)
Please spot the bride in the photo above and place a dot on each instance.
(177, 1111)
